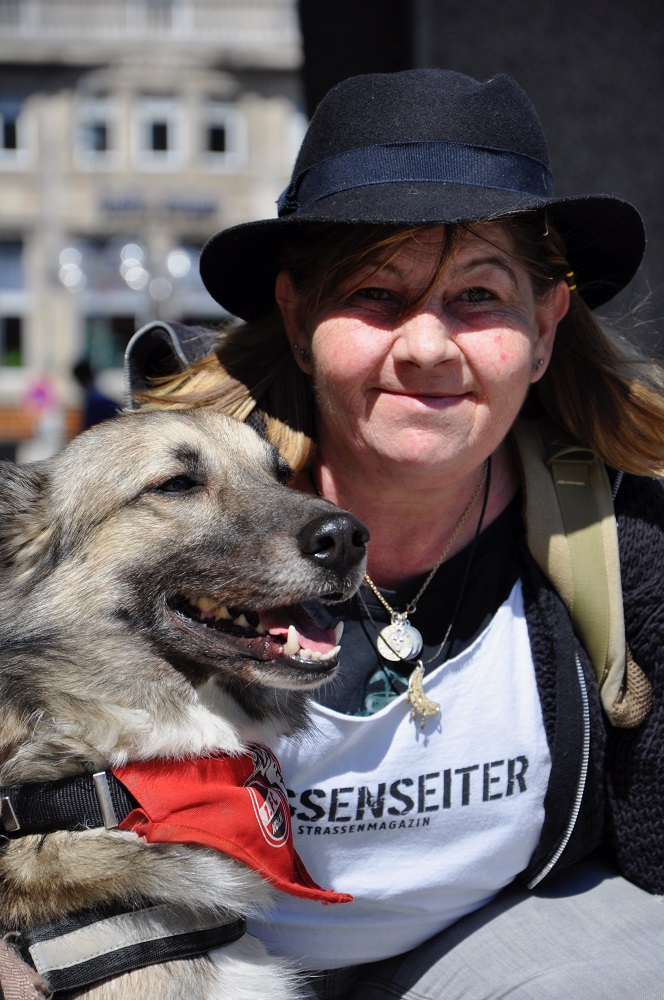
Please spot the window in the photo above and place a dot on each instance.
(216, 138)
(11, 341)
(12, 278)
(98, 141)
(11, 133)
(106, 338)
(106, 274)
(95, 133)
(11, 12)
(13, 303)
(158, 133)
(120, 288)
(158, 13)
(225, 136)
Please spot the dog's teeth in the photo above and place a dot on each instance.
(338, 631)
(222, 612)
(205, 603)
(331, 654)
(241, 620)
(314, 654)
(260, 630)
(292, 644)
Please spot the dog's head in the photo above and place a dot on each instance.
(176, 530)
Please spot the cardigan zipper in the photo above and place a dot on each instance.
(581, 784)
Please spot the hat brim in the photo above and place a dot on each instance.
(604, 236)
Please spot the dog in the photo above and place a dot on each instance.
(151, 631)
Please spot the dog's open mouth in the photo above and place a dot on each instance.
(288, 633)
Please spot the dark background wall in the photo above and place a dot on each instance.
(594, 70)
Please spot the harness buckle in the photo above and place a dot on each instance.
(8, 816)
(103, 793)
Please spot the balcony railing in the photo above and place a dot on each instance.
(226, 23)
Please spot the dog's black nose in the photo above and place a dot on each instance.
(338, 541)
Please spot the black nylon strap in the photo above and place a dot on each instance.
(98, 959)
(137, 956)
(68, 804)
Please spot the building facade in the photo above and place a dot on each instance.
(130, 131)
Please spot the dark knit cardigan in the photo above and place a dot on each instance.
(623, 799)
(635, 757)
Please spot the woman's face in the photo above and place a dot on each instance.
(439, 387)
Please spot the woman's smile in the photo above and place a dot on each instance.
(429, 397)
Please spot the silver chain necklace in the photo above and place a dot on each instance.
(400, 640)
(422, 707)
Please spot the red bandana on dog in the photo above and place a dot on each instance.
(237, 805)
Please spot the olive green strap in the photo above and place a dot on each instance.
(572, 535)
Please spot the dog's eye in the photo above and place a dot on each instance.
(283, 471)
(177, 484)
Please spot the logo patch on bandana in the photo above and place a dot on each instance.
(268, 797)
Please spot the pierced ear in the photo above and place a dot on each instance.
(290, 304)
(24, 525)
(550, 311)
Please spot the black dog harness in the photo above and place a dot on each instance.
(95, 944)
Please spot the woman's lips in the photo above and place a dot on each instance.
(435, 400)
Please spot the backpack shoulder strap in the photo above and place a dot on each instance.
(572, 535)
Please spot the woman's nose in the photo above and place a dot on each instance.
(425, 339)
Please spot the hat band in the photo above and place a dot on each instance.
(436, 161)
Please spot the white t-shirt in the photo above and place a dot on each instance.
(420, 826)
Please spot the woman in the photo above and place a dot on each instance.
(421, 289)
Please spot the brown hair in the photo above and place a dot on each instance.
(598, 386)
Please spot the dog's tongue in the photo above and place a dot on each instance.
(310, 635)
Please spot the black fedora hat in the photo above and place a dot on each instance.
(424, 146)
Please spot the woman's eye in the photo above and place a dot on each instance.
(477, 296)
(177, 484)
(375, 294)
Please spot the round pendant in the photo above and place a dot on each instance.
(399, 641)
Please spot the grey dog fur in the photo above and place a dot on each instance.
(93, 672)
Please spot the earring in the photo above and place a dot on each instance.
(303, 354)
(538, 364)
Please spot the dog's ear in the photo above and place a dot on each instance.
(24, 523)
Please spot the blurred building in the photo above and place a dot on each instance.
(130, 131)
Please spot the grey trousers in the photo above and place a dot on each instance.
(585, 934)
